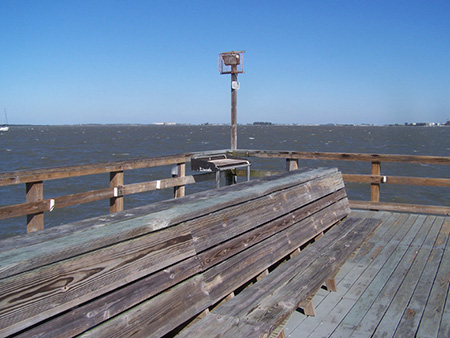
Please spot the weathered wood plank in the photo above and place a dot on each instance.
(333, 307)
(386, 260)
(444, 328)
(417, 282)
(26, 208)
(210, 200)
(226, 276)
(45, 174)
(380, 306)
(229, 248)
(401, 207)
(400, 300)
(368, 254)
(140, 187)
(432, 315)
(288, 287)
(394, 158)
(425, 181)
(293, 267)
(231, 222)
(13, 259)
(286, 300)
(159, 315)
(114, 272)
(413, 312)
(38, 294)
(86, 316)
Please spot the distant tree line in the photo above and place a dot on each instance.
(262, 123)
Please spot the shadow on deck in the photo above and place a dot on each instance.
(396, 285)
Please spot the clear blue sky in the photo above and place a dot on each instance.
(306, 62)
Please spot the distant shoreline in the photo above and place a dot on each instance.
(172, 124)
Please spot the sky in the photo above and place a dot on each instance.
(305, 62)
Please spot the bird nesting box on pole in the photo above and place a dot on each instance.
(232, 63)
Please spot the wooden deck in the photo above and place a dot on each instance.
(396, 285)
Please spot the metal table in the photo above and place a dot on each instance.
(219, 163)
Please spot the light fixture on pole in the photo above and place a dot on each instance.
(232, 63)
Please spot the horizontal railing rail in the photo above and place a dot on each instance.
(375, 179)
(36, 205)
(439, 160)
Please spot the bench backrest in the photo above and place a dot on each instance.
(150, 270)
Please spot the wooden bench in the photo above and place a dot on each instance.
(169, 267)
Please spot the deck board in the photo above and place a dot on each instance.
(396, 285)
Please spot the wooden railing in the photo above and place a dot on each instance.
(36, 205)
(375, 178)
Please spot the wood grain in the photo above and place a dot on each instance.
(32, 296)
(147, 271)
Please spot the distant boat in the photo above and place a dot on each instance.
(5, 127)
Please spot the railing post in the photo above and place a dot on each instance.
(115, 181)
(35, 193)
(179, 191)
(375, 187)
(291, 164)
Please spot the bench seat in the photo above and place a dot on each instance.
(260, 309)
(155, 270)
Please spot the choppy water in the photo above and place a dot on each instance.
(27, 147)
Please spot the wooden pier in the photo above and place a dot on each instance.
(34, 180)
(231, 262)
(397, 285)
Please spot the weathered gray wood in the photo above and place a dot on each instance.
(412, 315)
(14, 259)
(45, 174)
(384, 263)
(441, 160)
(31, 208)
(444, 329)
(417, 261)
(432, 316)
(334, 306)
(425, 181)
(160, 315)
(243, 217)
(410, 299)
(85, 316)
(313, 276)
(146, 271)
(193, 206)
(224, 277)
(229, 248)
(401, 207)
(260, 311)
(41, 293)
(371, 270)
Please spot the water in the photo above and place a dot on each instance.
(31, 147)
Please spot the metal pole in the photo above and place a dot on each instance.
(233, 113)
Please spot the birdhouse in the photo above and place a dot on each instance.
(231, 62)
